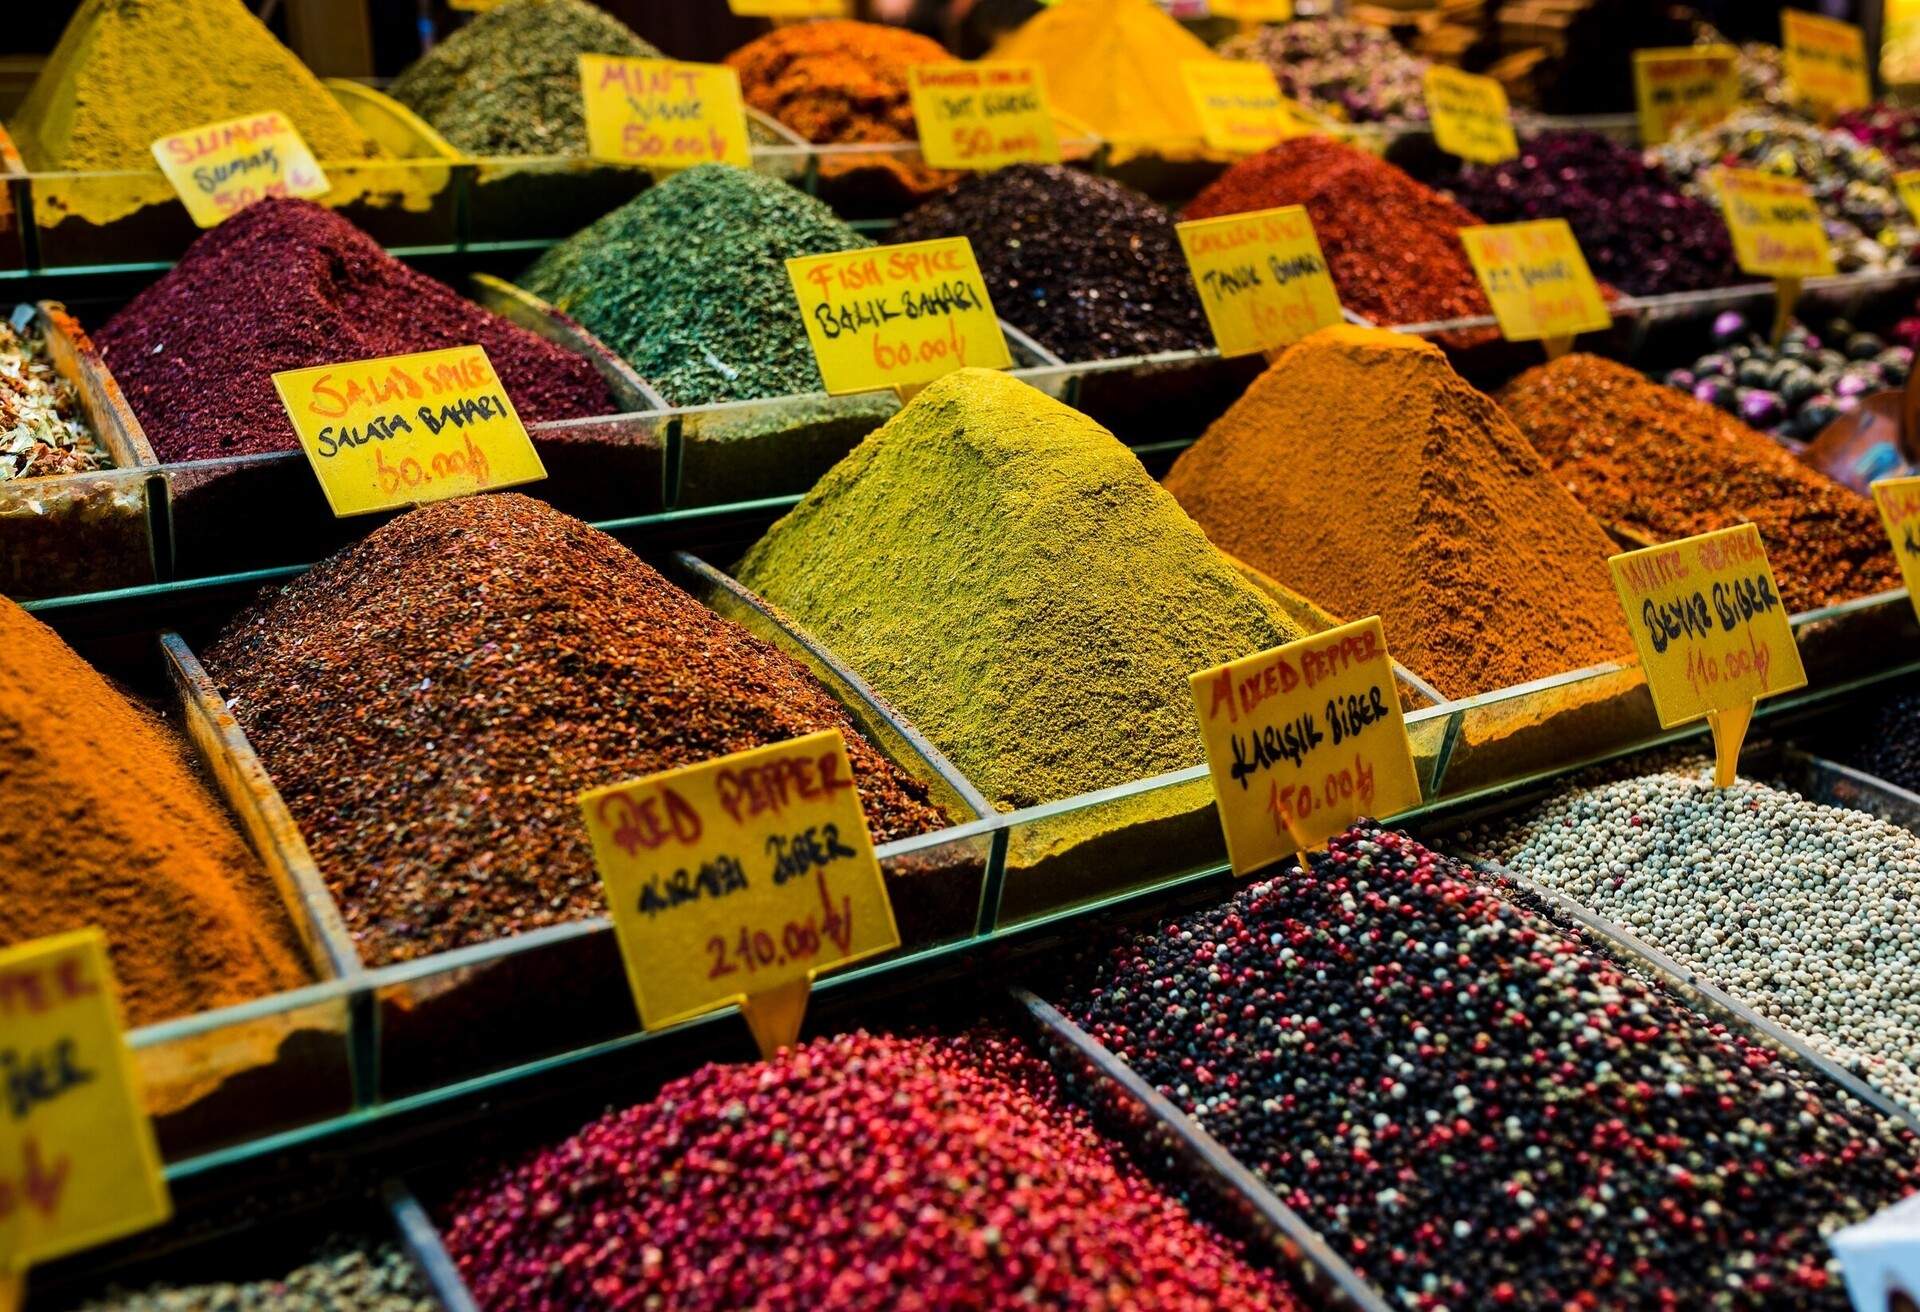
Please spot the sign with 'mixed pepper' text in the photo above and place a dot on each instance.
(1262, 277)
(1537, 279)
(403, 429)
(218, 169)
(1776, 227)
(662, 113)
(983, 115)
(1304, 739)
(1471, 116)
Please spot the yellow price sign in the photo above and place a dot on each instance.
(791, 8)
(982, 116)
(1712, 633)
(78, 1163)
(1908, 185)
(662, 113)
(1471, 117)
(1252, 11)
(1262, 278)
(1776, 227)
(1239, 103)
(1826, 60)
(897, 316)
(218, 169)
(1304, 739)
(1537, 279)
(740, 879)
(404, 429)
(1899, 502)
(1684, 87)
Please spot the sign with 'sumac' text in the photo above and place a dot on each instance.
(1776, 227)
(403, 429)
(218, 169)
(982, 116)
(1825, 60)
(1899, 503)
(1537, 279)
(1262, 277)
(662, 113)
(78, 1162)
(897, 316)
(1708, 623)
(1239, 103)
(1304, 739)
(1684, 87)
(1471, 117)
(739, 875)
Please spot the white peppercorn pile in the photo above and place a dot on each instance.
(1804, 912)
(342, 1277)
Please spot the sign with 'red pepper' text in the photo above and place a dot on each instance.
(1776, 228)
(1304, 739)
(982, 116)
(403, 429)
(218, 169)
(1537, 279)
(662, 113)
(1262, 278)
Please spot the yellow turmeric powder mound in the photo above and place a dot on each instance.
(1361, 471)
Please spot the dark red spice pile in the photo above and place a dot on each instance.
(1478, 1108)
(865, 1171)
(286, 284)
(1392, 244)
(431, 700)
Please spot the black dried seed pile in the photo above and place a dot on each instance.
(1481, 1111)
(1088, 268)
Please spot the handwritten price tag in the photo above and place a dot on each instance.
(1239, 103)
(1252, 11)
(1537, 279)
(1471, 117)
(219, 169)
(1262, 278)
(1303, 740)
(895, 316)
(791, 8)
(1776, 227)
(78, 1164)
(982, 116)
(1684, 87)
(664, 114)
(739, 876)
(1899, 502)
(404, 429)
(1826, 60)
(1908, 185)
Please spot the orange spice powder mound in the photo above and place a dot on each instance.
(1361, 471)
(103, 822)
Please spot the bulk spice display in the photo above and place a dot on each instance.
(1879, 738)
(42, 430)
(1338, 67)
(1892, 130)
(341, 1277)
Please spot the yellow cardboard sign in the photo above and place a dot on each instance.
(1239, 103)
(791, 8)
(1252, 11)
(1303, 740)
(1471, 117)
(896, 316)
(982, 116)
(1708, 623)
(1262, 277)
(1908, 185)
(1537, 279)
(1899, 502)
(1776, 227)
(1826, 60)
(404, 429)
(1684, 87)
(664, 114)
(739, 875)
(78, 1163)
(218, 169)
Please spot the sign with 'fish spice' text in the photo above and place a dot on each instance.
(1537, 280)
(1899, 502)
(1239, 104)
(78, 1163)
(1471, 117)
(663, 114)
(1262, 277)
(897, 316)
(1304, 739)
(982, 116)
(1682, 87)
(218, 169)
(740, 877)
(1776, 228)
(403, 429)
(1825, 60)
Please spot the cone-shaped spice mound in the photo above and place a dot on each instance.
(103, 821)
(1654, 461)
(867, 1172)
(1481, 1110)
(1363, 472)
(431, 700)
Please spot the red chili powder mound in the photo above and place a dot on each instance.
(864, 1171)
(1391, 243)
(286, 284)
(103, 822)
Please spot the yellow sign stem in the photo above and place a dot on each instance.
(907, 391)
(1786, 293)
(775, 1016)
(1729, 732)
(1557, 346)
(13, 1290)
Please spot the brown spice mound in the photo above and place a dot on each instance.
(431, 700)
(1361, 471)
(1657, 463)
(104, 822)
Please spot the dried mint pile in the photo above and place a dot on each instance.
(431, 700)
(1087, 267)
(688, 282)
(1478, 1108)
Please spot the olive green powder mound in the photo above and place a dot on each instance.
(689, 283)
(1003, 571)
